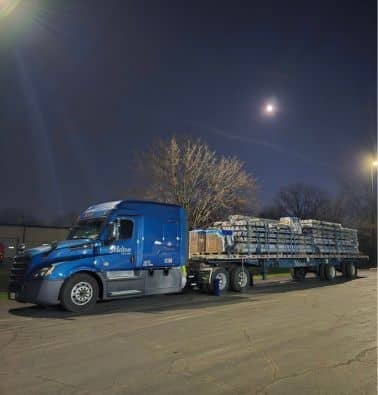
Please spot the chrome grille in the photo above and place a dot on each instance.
(19, 267)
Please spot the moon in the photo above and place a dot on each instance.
(269, 108)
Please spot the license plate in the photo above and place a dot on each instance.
(12, 295)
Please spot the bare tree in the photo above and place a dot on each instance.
(190, 174)
(355, 207)
(306, 201)
(360, 212)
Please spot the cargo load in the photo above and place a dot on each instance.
(252, 235)
(208, 241)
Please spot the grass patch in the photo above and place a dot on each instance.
(275, 273)
(286, 274)
(3, 295)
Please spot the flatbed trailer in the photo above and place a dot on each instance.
(235, 271)
(132, 248)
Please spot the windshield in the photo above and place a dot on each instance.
(86, 229)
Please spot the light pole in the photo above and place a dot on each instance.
(373, 166)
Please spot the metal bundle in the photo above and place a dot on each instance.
(331, 237)
(253, 235)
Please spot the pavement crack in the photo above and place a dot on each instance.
(246, 335)
(65, 385)
(180, 366)
(12, 339)
(356, 358)
(275, 379)
(273, 365)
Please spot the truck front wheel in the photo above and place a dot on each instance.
(79, 293)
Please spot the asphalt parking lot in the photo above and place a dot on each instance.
(279, 338)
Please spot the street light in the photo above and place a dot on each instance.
(373, 166)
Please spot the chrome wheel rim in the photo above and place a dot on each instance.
(81, 293)
(242, 279)
(332, 272)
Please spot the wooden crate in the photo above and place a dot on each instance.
(214, 244)
(197, 242)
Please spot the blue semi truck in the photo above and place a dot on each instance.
(128, 248)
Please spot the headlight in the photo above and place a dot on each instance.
(43, 272)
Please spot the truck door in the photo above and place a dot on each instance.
(122, 258)
(169, 254)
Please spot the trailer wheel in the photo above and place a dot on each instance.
(350, 270)
(329, 272)
(79, 293)
(239, 279)
(321, 271)
(223, 277)
(298, 273)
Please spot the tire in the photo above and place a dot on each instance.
(239, 279)
(329, 272)
(350, 270)
(321, 271)
(298, 273)
(79, 293)
(223, 275)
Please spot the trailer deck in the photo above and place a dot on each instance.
(236, 271)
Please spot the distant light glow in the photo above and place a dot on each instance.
(7, 7)
(375, 163)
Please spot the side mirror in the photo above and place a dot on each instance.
(112, 232)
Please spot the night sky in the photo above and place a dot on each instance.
(86, 86)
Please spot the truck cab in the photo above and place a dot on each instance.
(117, 249)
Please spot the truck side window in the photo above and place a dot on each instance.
(125, 229)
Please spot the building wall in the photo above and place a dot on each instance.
(11, 236)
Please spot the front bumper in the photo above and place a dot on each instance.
(45, 292)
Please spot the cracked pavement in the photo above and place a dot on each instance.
(279, 338)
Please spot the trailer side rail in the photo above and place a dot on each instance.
(254, 257)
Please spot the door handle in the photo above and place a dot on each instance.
(132, 258)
